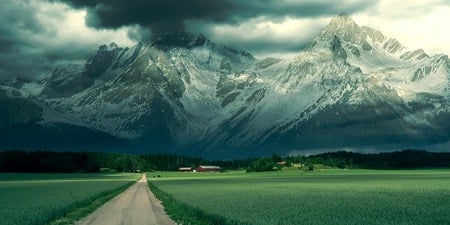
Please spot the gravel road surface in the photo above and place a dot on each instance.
(135, 206)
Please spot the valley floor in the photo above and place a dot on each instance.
(31, 198)
(296, 197)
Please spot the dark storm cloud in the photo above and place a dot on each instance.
(30, 44)
(162, 14)
(17, 22)
(155, 14)
(151, 16)
(20, 55)
(30, 47)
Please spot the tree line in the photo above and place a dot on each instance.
(67, 162)
(405, 159)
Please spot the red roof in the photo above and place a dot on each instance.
(203, 168)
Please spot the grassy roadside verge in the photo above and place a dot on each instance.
(84, 208)
(185, 214)
(319, 197)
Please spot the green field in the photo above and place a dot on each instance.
(320, 197)
(32, 199)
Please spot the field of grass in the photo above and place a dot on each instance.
(321, 197)
(33, 199)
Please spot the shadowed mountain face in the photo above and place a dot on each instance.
(351, 87)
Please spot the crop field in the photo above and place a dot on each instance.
(321, 197)
(32, 199)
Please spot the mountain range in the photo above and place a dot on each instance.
(351, 87)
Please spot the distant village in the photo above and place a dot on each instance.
(201, 169)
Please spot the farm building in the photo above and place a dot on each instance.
(208, 169)
(185, 169)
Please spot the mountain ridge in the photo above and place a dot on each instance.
(350, 87)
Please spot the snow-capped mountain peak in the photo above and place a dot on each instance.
(172, 38)
(180, 92)
(343, 27)
(342, 21)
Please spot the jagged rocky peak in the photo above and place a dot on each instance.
(105, 54)
(102, 59)
(365, 37)
(393, 46)
(172, 38)
(113, 45)
(342, 20)
(350, 34)
(416, 55)
(199, 41)
(343, 26)
(109, 47)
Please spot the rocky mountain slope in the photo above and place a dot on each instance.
(351, 87)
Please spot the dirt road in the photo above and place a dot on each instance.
(135, 206)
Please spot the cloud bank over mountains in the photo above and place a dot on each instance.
(38, 35)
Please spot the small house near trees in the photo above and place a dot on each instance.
(203, 168)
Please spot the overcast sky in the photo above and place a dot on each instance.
(37, 35)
